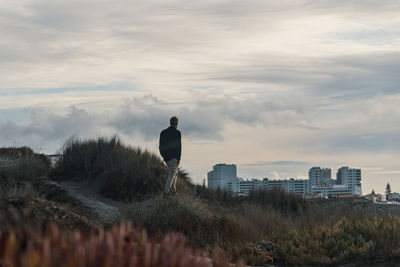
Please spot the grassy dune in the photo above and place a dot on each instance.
(118, 171)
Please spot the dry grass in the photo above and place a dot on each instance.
(119, 172)
(305, 234)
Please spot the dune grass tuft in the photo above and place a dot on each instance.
(118, 171)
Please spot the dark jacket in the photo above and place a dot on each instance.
(170, 144)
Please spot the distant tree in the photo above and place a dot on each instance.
(388, 191)
(373, 192)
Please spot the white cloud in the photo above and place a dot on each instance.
(275, 176)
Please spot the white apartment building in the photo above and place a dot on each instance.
(350, 178)
(296, 186)
(320, 176)
(221, 176)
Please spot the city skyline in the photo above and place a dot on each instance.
(274, 175)
(276, 87)
(348, 182)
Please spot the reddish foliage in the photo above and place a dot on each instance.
(120, 246)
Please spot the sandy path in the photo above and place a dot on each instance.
(82, 197)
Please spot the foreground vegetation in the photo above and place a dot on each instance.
(264, 227)
(272, 227)
(369, 239)
(120, 246)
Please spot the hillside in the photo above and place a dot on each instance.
(98, 183)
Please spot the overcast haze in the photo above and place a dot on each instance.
(273, 87)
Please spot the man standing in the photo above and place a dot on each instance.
(170, 149)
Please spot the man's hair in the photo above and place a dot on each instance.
(173, 121)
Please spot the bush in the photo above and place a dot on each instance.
(286, 203)
(120, 246)
(189, 216)
(18, 167)
(366, 239)
(22, 163)
(117, 171)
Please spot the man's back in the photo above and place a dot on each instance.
(170, 144)
(170, 149)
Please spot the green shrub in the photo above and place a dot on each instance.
(367, 239)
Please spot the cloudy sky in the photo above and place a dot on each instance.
(275, 87)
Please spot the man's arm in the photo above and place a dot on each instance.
(161, 145)
(179, 146)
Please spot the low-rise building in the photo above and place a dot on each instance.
(372, 196)
(393, 197)
(243, 187)
(314, 195)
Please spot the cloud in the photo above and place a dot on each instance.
(275, 176)
(370, 36)
(367, 125)
(384, 141)
(353, 6)
(302, 177)
(341, 78)
(276, 163)
(146, 116)
(207, 118)
(47, 130)
(359, 76)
